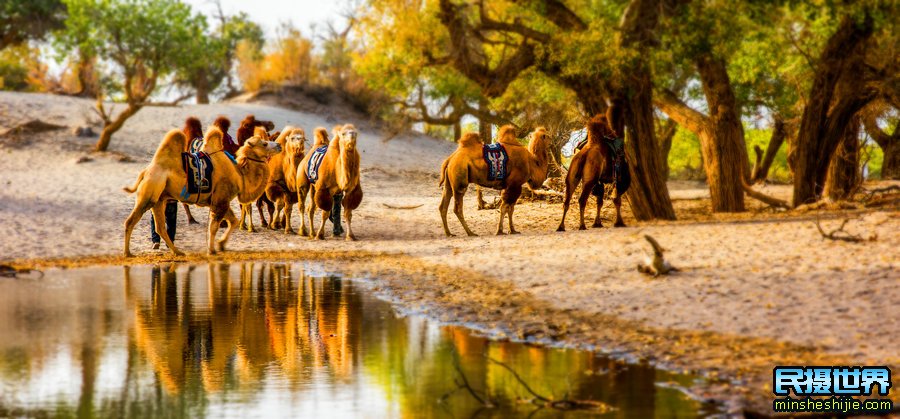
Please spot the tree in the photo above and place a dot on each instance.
(21, 20)
(890, 145)
(233, 30)
(844, 176)
(141, 38)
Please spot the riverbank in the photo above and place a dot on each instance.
(755, 289)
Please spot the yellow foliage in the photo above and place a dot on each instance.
(290, 62)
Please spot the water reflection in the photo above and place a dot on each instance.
(268, 339)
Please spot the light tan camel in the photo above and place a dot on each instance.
(302, 180)
(467, 165)
(250, 195)
(282, 186)
(164, 179)
(338, 173)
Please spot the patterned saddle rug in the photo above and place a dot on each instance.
(195, 145)
(198, 168)
(496, 158)
(315, 160)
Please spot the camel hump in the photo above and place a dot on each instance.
(261, 132)
(507, 135)
(598, 128)
(212, 141)
(321, 135)
(172, 145)
(470, 139)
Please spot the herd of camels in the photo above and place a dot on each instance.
(279, 170)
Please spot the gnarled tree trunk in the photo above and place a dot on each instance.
(666, 132)
(843, 173)
(764, 162)
(820, 128)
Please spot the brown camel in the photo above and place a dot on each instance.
(164, 179)
(302, 182)
(194, 133)
(338, 173)
(251, 195)
(467, 165)
(282, 185)
(593, 166)
(245, 130)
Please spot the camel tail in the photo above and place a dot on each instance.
(137, 183)
(444, 171)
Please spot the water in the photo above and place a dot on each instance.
(273, 340)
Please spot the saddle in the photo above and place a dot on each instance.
(198, 168)
(496, 158)
(315, 160)
(195, 145)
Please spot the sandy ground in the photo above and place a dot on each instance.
(757, 277)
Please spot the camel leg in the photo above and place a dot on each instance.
(259, 206)
(582, 203)
(348, 215)
(458, 210)
(312, 212)
(288, 207)
(279, 205)
(214, 219)
(480, 197)
(140, 207)
(320, 235)
(301, 209)
(509, 196)
(248, 210)
(232, 220)
(597, 221)
(187, 211)
(503, 208)
(159, 216)
(570, 189)
(243, 221)
(445, 204)
(617, 201)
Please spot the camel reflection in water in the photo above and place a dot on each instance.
(231, 331)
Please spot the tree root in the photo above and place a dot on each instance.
(840, 234)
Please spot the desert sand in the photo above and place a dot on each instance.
(760, 282)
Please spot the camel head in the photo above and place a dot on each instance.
(347, 139)
(258, 149)
(295, 141)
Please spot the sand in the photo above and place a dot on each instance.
(758, 276)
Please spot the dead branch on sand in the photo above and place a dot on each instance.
(766, 199)
(562, 404)
(34, 126)
(881, 196)
(840, 234)
(655, 265)
(401, 207)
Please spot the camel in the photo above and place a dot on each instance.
(194, 132)
(338, 173)
(302, 182)
(251, 195)
(594, 165)
(282, 185)
(246, 130)
(467, 165)
(164, 179)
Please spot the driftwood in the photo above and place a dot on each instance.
(7, 271)
(840, 234)
(655, 265)
(766, 199)
(401, 207)
(34, 126)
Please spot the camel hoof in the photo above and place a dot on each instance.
(350, 238)
(597, 225)
(177, 252)
(582, 228)
(220, 246)
(289, 231)
(192, 221)
(471, 234)
(450, 234)
(513, 232)
(561, 228)
(619, 224)
(211, 252)
(127, 254)
(500, 233)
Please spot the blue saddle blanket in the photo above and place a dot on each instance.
(315, 160)
(195, 145)
(496, 158)
(198, 168)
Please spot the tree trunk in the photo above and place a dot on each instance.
(201, 85)
(667, 132)
(113, 126)
(725, 152)
(764, 163)
(843, 53)
(648, 195)
(457, 131)
(843, 173)
(484, 127)
(87, 78)
(890, 147)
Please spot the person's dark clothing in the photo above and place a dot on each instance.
(171, 220)
(336, 215)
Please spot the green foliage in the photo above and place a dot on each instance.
(684, 157)
(21, 20)
(13, 71)
(779, 171)
(146, 39)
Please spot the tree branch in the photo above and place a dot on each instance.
(684, 115)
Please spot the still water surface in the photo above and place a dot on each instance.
(277, 340)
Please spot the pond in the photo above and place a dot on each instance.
(281, 340)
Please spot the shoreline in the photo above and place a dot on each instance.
(732, 367)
